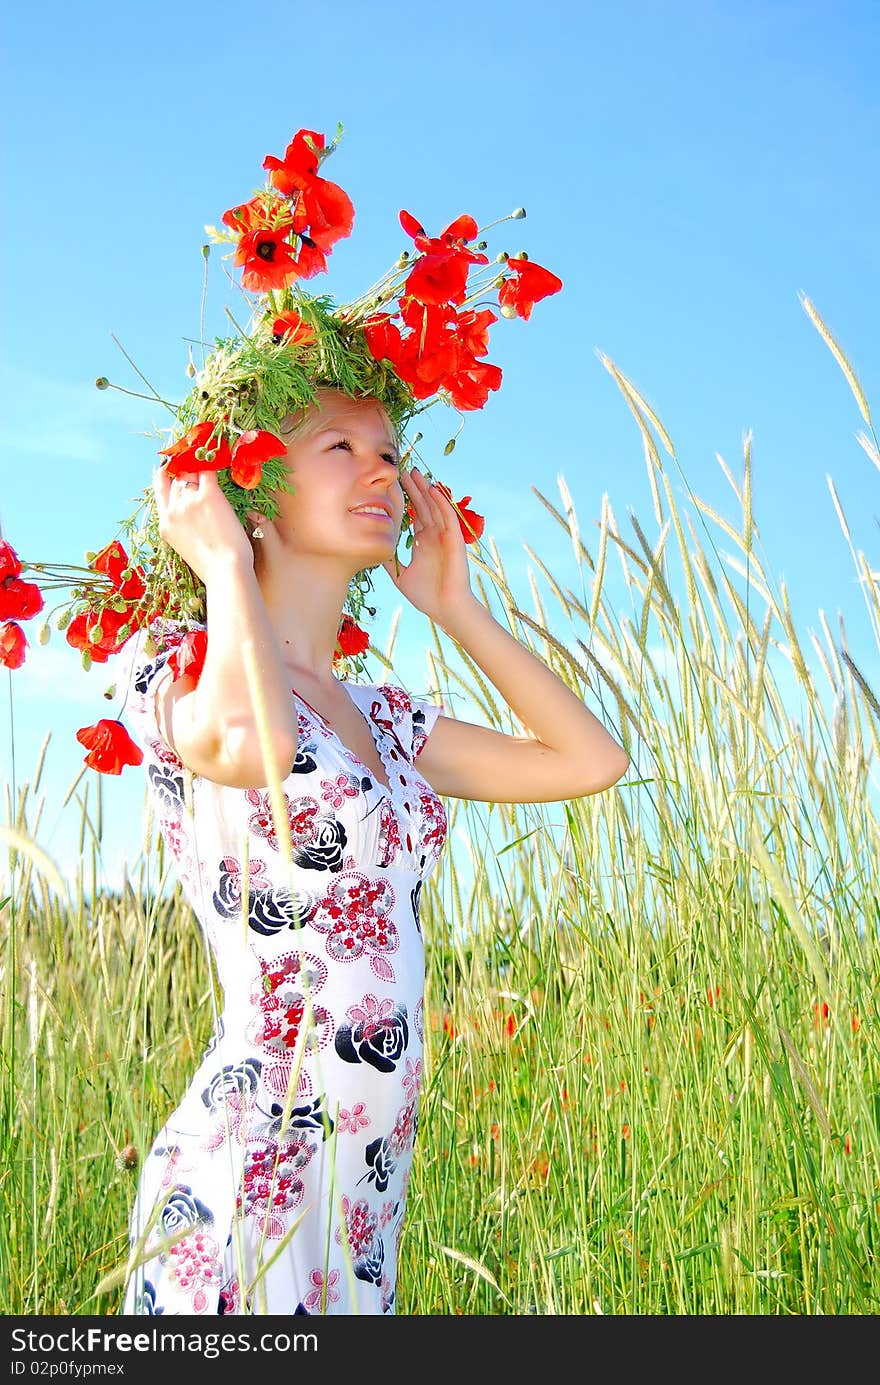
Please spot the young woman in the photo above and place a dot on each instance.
(279, 1184)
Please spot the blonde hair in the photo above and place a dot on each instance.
(308, 420)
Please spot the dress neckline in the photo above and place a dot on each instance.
(375, 732)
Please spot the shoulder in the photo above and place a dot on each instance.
(410, 718)
(400, 702)
(147, 677)
(392, 699)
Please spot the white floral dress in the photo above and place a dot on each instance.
(279, 1183)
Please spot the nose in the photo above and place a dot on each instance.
(383, 473)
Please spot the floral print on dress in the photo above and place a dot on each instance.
(273, 1180)
(356, 915)
(364, 1239)
(377, 1033)
(286, 986)
(294, 1140)
(269, 908)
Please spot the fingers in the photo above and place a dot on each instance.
(161, 486)
(167, 486)
(177, 494)
(173, 490)
(427, 502)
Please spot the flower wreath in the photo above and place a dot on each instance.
(417, 336)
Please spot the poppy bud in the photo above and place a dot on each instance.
(86, 660)
(150, 646)
(518, 214)
(124, 631)
(44, 634)
(507, 310)
(201, 453)
(206, 250)
(502, 257)
(450, 447)
(91, 555)
(110, 692)
(102, 383)
(63, 620)
(96, 635)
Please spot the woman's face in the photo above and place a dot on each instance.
(345, 464)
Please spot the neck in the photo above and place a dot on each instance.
(304, 601)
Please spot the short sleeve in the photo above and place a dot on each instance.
(424, 715)
(147, 674)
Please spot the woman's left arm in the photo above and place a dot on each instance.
(568, 753)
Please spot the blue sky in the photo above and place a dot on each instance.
(687, 169)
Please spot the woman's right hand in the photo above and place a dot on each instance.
(197, 520)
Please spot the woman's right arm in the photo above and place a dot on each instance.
(212, 724)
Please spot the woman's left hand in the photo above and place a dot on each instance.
(436, 580)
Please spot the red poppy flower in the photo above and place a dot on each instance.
(383, 337)
(113, 561)
(265, 212)
(472, 329)
(469, 522)
(470, 387)
(81, 631)
(430, 351)
(182, 454)
(267, 258)
(350, 638)
(251, 450)
(463, 228)
(10, 564)
(440, 275)
(530, 283)
(19, 600)
(110, 747)
(321, 205)
(440, 278)
(302, 159)
(436, 343)
(311, 259)
(329, 211)
(13, 643)
(291, 328)
(188, 659)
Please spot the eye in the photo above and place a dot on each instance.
(390, 457)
